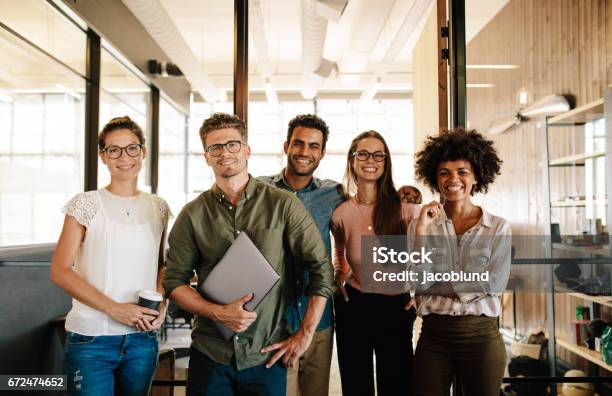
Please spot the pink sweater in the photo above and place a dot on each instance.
(350, 221)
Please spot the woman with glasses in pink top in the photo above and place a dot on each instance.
(369, 324)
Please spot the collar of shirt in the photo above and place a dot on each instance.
(280, 179)
(485, 220)
(248, 191)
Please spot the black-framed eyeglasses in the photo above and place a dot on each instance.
(233, 146)
(132, 150)
(363, 155)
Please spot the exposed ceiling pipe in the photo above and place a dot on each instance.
(411, 26)
(314, 28)
(367, 26)
(158, 23)
(256, 27)
(407, 34)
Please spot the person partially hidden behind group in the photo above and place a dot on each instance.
(114, 237)
(370, 323)
(459, 336)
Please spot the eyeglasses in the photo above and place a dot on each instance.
(363, 155)
(114, 152)
(233, 146)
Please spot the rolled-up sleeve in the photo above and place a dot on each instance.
(307, 247)
(183, 255)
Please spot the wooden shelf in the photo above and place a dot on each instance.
(601, 300)
(576, 203)
(572, 159)
(586, 353)
(606, 252)
(580, 115)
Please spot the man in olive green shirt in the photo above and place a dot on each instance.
(282, 229)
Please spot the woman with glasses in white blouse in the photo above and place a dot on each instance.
(459, 336)
(111, 248)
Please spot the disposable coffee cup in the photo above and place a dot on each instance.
(149, 299)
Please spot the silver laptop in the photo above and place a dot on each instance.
(242, 270)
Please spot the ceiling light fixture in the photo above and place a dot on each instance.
(522, 98)
(548, 105)
(479, 85)
(492, 67)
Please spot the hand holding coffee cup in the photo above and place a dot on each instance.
(150, 299)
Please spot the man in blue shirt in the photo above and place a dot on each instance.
(305, 147)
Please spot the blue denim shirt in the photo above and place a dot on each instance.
(320, 197)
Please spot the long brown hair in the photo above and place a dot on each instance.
(388, 209)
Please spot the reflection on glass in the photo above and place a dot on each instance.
(122, 93)
(201, 177)
(41, 142)
(172, 156)
(44, 26)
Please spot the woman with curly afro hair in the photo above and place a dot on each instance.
(459, 337)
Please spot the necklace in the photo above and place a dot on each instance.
(128, 209)
(361, 213)
(359, 201)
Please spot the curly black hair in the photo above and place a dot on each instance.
(308, 121)
(458, 144)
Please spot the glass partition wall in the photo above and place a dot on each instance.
(42, 102)
(123, 93)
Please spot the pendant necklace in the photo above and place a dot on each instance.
(128, 210)
(367, 203)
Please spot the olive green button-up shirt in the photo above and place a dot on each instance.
(285, 233)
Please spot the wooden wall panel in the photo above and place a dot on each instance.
(560, 47)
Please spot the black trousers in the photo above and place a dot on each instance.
(368, 325)
(469, 347)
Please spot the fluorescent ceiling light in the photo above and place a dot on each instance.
(523, 97)
(369, 93)
(5, 97)
(494, 67)
(479, 85)
(271, 95)
(68, 91)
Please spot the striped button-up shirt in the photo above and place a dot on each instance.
(484, 247)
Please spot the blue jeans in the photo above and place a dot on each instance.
(107, 365)
(206, 377)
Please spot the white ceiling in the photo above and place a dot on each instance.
(207, 26)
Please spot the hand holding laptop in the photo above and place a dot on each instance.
(243, 271)
(234, 316)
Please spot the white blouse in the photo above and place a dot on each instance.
(489, 238)
(119, 255)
